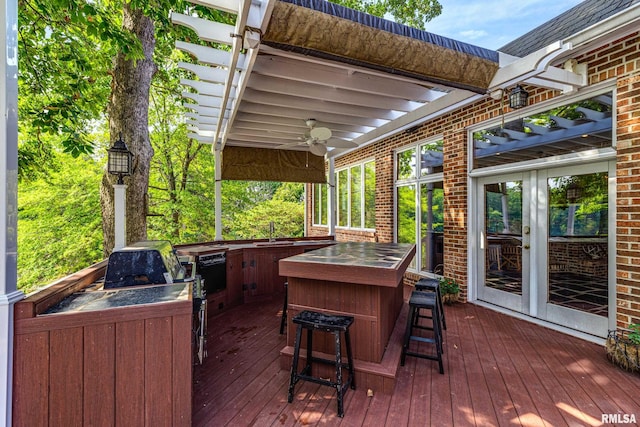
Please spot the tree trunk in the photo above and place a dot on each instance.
(129, 115)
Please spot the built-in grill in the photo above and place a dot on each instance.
(213, 270)
(144, 263)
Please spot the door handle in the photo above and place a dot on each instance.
(526, 246)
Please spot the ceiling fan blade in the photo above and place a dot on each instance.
(341, 143)
(289, 145)
(320, 134)
(318, 149)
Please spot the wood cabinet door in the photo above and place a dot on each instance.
(235, 278)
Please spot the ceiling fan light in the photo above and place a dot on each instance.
(318, 149)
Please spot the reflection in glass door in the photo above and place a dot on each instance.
(504, 211)
(577, 250)
(544, 244)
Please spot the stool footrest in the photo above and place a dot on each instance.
(334, 384)
(422, 339)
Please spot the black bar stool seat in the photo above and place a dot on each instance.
(312, 320)
(433, 285)
(423, 301)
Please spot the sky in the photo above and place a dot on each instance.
(493, 23)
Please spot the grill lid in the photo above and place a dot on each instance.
(143, 263)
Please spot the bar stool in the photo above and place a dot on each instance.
(423, 301)
(433, 285)
(311, 320)
(283, 320)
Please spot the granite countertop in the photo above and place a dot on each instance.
(357, 262)
(206, 249)
(380, 255)
(122, 297)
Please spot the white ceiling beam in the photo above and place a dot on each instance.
(203, 100)
(260, 121)
(208, 55)
(230, 6)
(339, 78)
(455, 100)
(197, 127)
(237, 45)
(559, 75)
(207, 88)
(200, 138)
(208, 74)
(205, 111)
(242, 127)
(308, 90)
(206, 30)
(250, 107)
(275, 100)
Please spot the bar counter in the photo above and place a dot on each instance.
(359, 279)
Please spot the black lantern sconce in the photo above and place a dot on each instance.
(518, 98)
(119, 162)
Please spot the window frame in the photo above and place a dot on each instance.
(324, 187)
(362, 195)
(417, 180)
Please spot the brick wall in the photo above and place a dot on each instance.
(618, 60)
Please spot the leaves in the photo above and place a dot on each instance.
(414, 13)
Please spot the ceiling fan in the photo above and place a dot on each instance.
(316, 138)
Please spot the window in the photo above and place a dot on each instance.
(320, 204)
(420, 203)
(356, 196)
(575, 127)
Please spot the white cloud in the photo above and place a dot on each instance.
(473, 34)
(493, 23)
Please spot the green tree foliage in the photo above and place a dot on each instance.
(59, 223)
(288, 218)
(415, 13)
(65, 51)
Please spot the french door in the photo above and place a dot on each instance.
(545, 244)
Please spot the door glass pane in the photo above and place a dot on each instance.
(577, 246)
(503, 231)
(356, 196)
(406, 215)
(323, 204)
(431, 226)
(406, 163)
(343, 198)
(370, 195)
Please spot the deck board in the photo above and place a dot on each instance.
(498, 371)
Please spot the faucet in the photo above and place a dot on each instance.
(271, 229)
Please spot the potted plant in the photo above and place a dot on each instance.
(449, 289)
(623, 347)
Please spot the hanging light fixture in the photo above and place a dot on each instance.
(119, 161)
(518, 98)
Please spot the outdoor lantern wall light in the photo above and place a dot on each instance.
(119, 162)
(518, 98)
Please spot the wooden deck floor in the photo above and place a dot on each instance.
(499, 371)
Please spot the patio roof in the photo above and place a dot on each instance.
(362, 77)
(358, 75)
